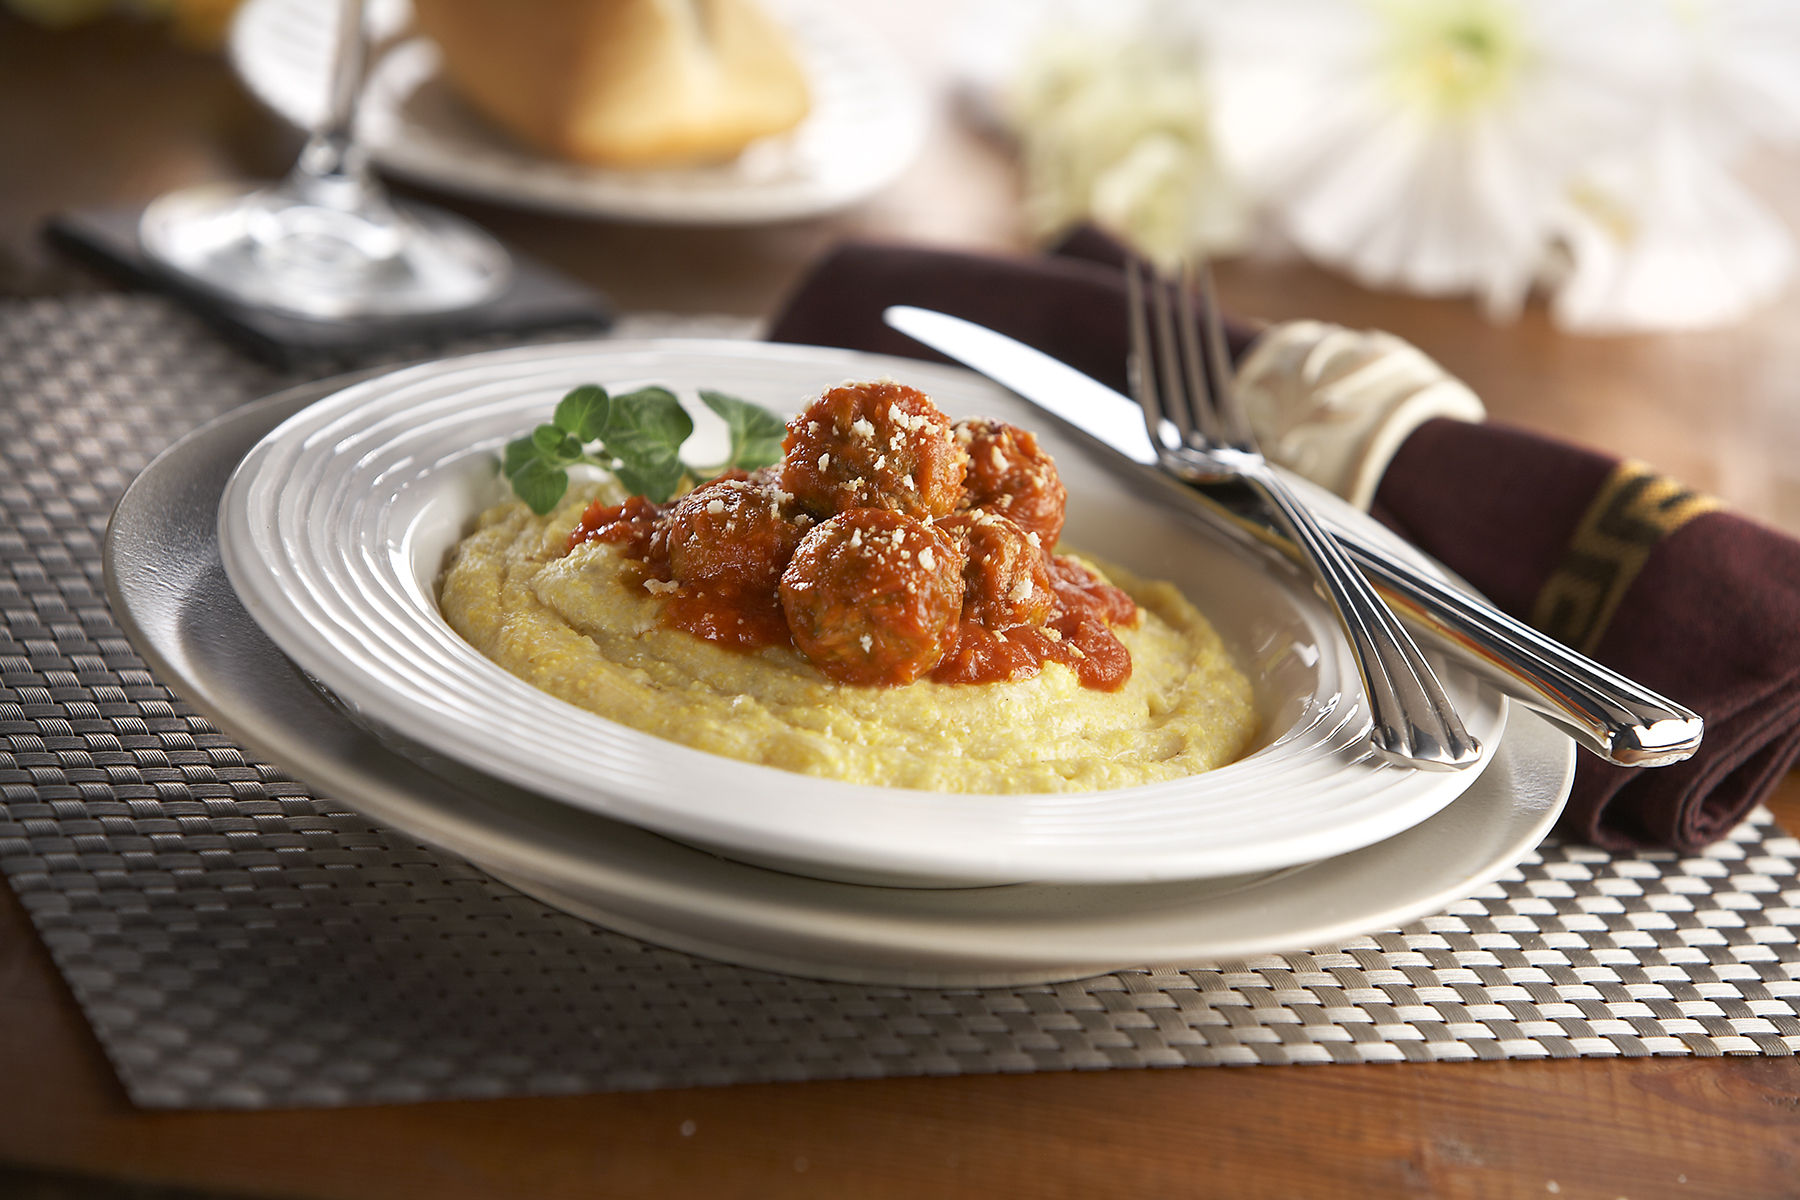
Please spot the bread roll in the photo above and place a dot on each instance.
(622, 83)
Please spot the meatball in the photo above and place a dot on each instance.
(873, 445)
(1009, 474)
(874, 597)
(729, 531)
(1006, 580)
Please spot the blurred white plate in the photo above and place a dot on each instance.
(867, 123)
(336, 526)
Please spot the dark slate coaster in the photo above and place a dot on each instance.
(540, 298)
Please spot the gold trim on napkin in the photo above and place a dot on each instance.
(1633, 510)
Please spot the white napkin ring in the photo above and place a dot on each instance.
(1334, 404)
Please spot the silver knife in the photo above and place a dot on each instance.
(1600, 709)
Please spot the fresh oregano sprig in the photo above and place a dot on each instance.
(637, 436)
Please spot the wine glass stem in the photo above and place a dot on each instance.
(327, 243)
(332, 170)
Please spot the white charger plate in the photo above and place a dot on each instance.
(867, 123)
(169, 592)
(336, 526)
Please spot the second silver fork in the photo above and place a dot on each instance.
(1181, 377)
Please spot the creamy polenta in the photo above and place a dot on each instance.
(583, 627)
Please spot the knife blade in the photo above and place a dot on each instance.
(1621, 721)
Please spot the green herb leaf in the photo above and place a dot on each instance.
(583, 413)
(518, 452)
(650, 416)
(756, 433)
(654, 479)
(540, 485)
(644, 433)
(554, 446)
(637, 436)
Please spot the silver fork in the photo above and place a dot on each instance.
(1181, 378)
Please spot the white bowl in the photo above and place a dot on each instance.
(334, 530)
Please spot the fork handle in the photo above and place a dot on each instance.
(1414, 722)
(1619, 720)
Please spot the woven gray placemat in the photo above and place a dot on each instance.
(236, 941)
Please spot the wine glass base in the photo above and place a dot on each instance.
(268, 247)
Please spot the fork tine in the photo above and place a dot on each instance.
(1178, 400)
(1142, 365)
(1232, 423)
(1174, 378)
(1200, 377)
(1181, 376)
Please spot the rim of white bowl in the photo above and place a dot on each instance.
(320, 529)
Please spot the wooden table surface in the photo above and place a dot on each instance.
(113, 113)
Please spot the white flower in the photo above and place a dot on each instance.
(1427, 144)
(1663, 236)
(1667, 239)
(1110, 110)
(1741, 69)
(1117, 131)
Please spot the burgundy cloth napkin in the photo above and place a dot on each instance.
(1632, 569)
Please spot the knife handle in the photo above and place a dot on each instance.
(1617, 719)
